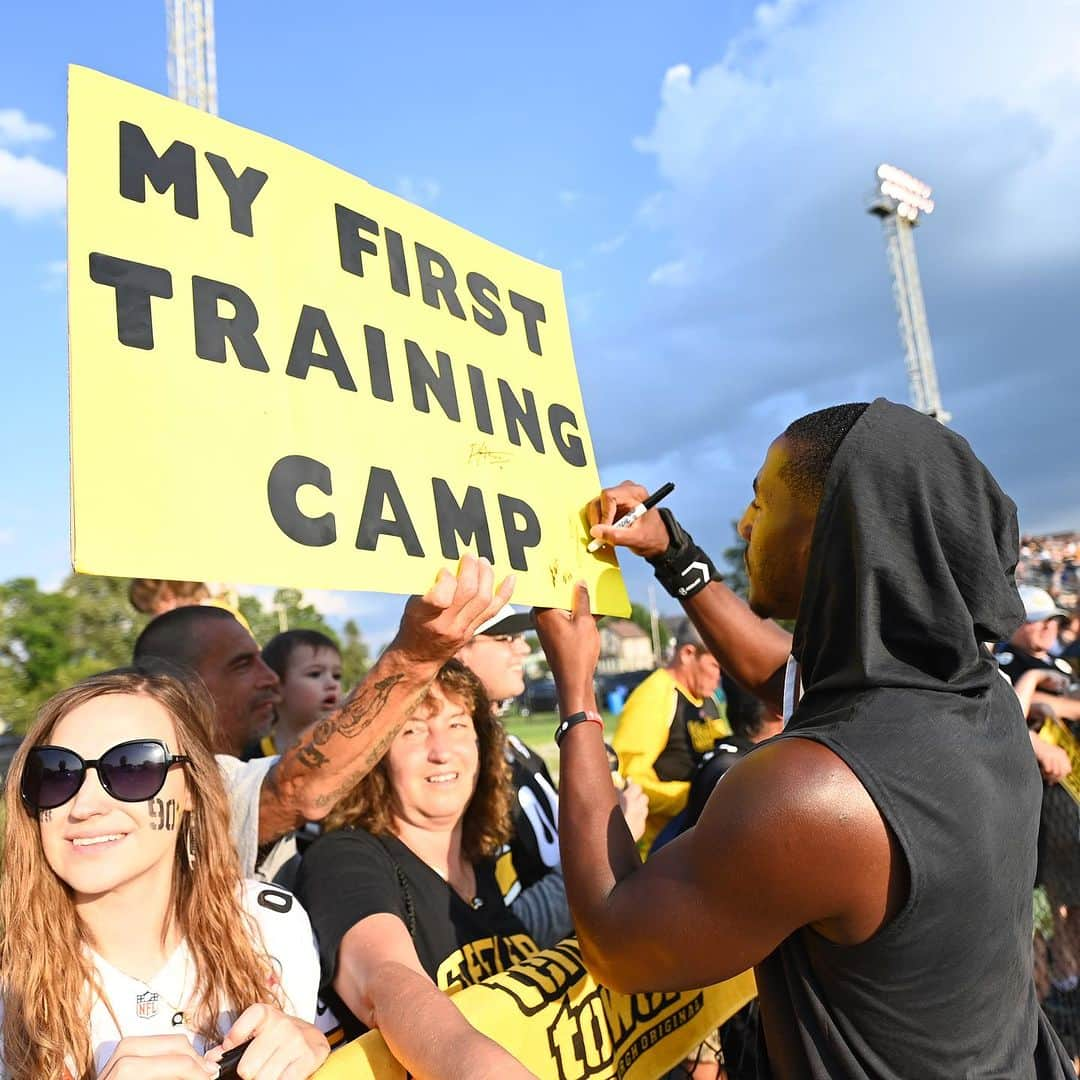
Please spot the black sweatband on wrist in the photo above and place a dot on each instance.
(573, 720)
(683, 569)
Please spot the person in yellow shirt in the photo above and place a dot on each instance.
(664, 730)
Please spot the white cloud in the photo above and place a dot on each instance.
(7, 536)
(775, 291)
(29, 188)
(671, 273)
(55, 275)
(607, 247)
(421, 190)
(16, 128)
(331, 602)
(568, 198)
(770, 17)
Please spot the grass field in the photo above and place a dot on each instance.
(536, 732)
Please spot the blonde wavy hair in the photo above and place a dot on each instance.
(486, 825)
(49, 983)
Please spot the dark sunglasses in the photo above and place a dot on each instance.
(130, 772)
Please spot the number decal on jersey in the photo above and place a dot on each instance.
(272, 900)
(542, 818)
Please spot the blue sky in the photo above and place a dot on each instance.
(697, 171)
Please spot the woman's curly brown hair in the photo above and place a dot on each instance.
(486, 826)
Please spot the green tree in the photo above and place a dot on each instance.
(48, 640)
(286, 612)
(641, 616)
(354, 656)
(103, 626)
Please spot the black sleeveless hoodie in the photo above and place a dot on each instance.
(911, 569)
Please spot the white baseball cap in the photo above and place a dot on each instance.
(1039, 605)
(506, 621)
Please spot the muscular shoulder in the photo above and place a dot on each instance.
(800, 824)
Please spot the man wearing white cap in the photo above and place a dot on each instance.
(1029, 649)
(530, 870)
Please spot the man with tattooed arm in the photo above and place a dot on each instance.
(272, 797)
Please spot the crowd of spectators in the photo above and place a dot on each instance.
(420, 837)
(1051, 563)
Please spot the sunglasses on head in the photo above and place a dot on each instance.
(130, 772)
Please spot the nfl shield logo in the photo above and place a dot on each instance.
(146, 1005)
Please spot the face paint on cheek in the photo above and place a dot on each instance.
(164, 814)
(45, 816)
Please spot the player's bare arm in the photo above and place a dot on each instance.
(753, 650)
(802, 845)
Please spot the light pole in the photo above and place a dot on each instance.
(192, 56)
(898, 199)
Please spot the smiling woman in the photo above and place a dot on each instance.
(403, 892)
(118, 857)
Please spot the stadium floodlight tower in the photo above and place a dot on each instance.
(192, 60)
(898, 200)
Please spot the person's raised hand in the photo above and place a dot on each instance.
(437, 624)
(1054, 763)
(634, 804)
(647, 537)
(157, 1057)
(282, 1047)
(571, 643)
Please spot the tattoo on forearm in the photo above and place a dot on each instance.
(363, 710)
(311, 756)
(381, 745)
(356, 717)
(164, 814)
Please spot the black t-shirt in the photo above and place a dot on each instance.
(1014, 662)
(692, 734)
(348, 874)
(910, 569)
(723, 756)
(534, 845)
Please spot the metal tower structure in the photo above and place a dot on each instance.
(192, 60)
(898, 200)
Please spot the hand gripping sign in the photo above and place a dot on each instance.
(561, 1025)
(281, 374)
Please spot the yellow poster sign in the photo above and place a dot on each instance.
(553, 1017)
(282, 374)
(1055, 731)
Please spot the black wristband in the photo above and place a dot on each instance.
(684, 569)
(573, 720)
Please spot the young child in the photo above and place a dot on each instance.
(309, 666)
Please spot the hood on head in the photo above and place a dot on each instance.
(911, 563)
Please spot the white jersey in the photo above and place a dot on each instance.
(157, 1007)
(243, 785)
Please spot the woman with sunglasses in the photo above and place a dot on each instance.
(131, 948)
